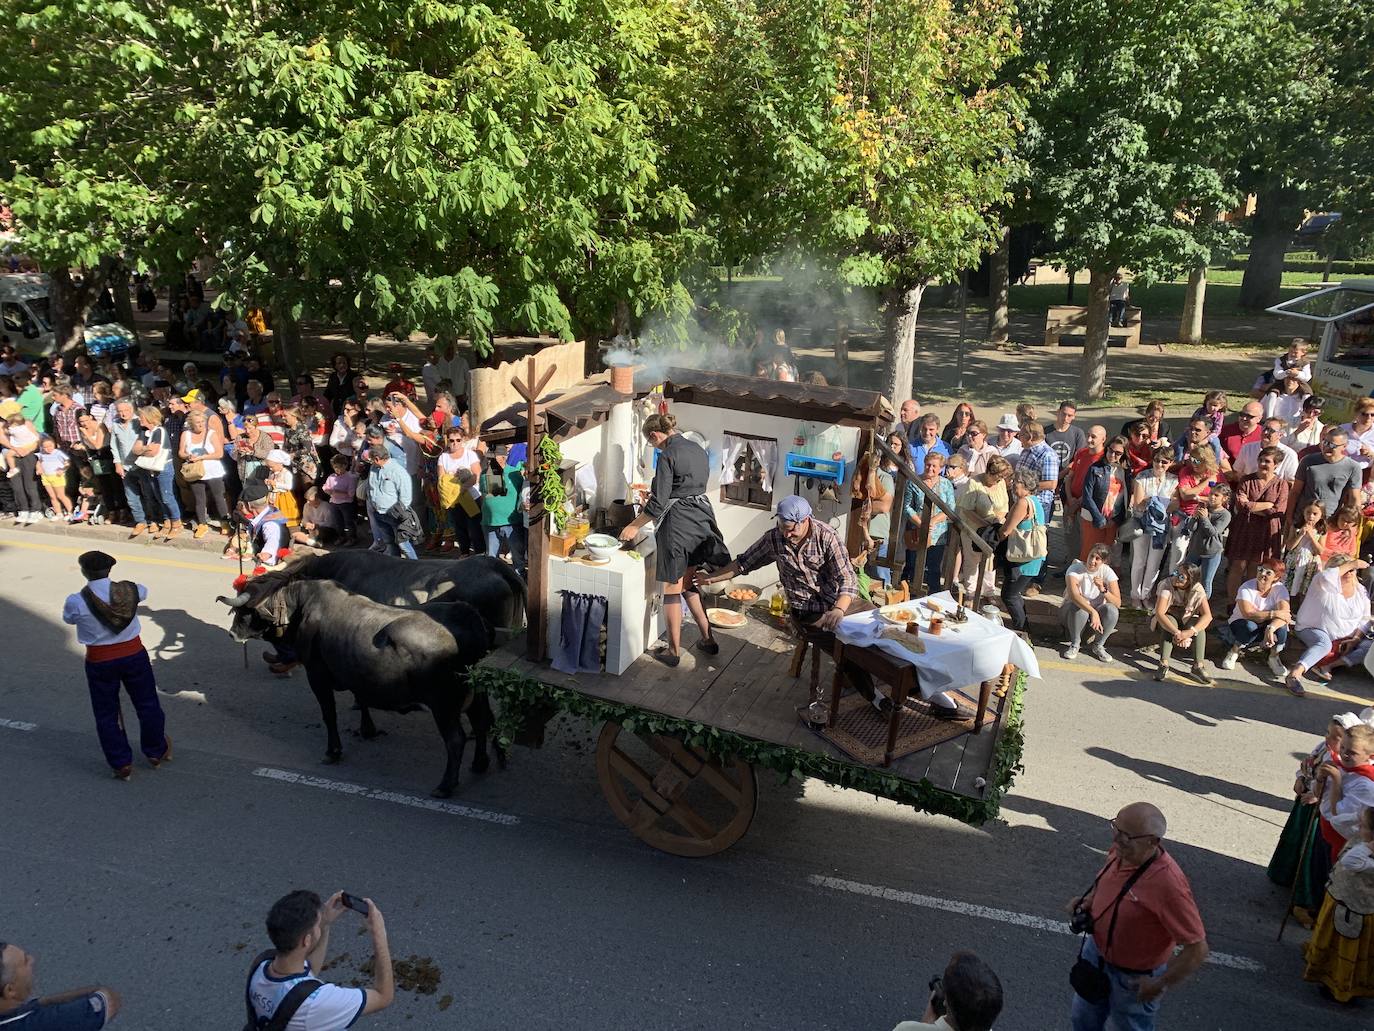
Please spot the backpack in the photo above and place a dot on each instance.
(295, 998)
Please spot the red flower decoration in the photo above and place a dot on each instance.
(259, 570)
(283, 553)
(240, 582)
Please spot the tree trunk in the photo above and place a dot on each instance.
(1277, 213)
(124, 307)
(1190, 326)
(901, 306)
(999, 291)
(71, 301)
(286, 338)
(841, 353)
(1093, 379)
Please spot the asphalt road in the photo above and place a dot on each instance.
(537, 910)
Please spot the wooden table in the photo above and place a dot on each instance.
(898, 675)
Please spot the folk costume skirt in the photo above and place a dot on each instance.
(1289, 862)
(1344, 965)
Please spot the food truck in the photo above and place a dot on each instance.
(1343, 359)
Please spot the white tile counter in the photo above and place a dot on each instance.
(634, 617)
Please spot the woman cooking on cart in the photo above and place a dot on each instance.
(685, 531)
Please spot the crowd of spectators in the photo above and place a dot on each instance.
(1251, 520)
(167, 450)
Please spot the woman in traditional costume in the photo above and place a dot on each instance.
(685, 531)
(1301, 854)
(1340, 953)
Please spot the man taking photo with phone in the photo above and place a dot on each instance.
(283, 994)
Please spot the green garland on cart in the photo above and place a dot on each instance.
(517, 695)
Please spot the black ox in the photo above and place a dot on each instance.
(392, 659)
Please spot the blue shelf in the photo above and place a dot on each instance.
(829, 469)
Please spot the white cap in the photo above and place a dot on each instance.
(279, 456)
(1347, 720)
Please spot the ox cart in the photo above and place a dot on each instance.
(678, 751)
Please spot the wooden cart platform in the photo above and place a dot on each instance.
(748, 690)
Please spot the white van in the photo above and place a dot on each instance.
(26, 318)
(1343, 369)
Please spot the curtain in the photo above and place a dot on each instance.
(734, 448)
(766, 451)
(579, 638)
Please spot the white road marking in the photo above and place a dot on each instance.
(376, 794)
(18, 725)
(1005, 916)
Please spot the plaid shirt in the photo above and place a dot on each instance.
(1042, 460)
(814, 574)
(64, 425)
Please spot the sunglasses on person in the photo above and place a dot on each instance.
(976, 433)
(1116, 453)
(1121, 835)
(1247, 416)
(1265, 572)
(1270, 430)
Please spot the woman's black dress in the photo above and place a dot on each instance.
(685, 531)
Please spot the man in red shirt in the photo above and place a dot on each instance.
(1073, 479)
(1235, 435)
(1142, 908)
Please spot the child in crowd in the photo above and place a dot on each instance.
(87, 497)
(279, 486)
(320, 523)
(1292, 364)
(342, 488)
(52, 463)
(1340, 954)
(1207, 531)
(19, 434)
(1213, 409)
(1342, 533)
(1302, 548)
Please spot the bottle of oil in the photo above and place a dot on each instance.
(776, 605)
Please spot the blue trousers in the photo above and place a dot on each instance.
(516, 537)
(1122, 1007)
(135, 673)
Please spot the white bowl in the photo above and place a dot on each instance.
(601, 546)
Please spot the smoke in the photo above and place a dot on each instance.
(807, 302)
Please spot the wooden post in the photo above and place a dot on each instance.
(536, 604)
(854, 534)
(918, 572)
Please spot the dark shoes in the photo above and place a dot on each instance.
(668, 658)
(940, 712)
(123, 772)
(282, 669)
(709, 645)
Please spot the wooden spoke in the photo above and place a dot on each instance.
(672, 796)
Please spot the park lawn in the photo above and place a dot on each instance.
(1158, 300)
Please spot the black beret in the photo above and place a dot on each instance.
(95, 563)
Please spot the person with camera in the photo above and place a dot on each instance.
(1139, 909)
(281, 983)
(77, 1010)
(966, 997)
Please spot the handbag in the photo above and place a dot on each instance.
(154, 463)
(1027, 545)
(1130, 530)
(192, 472)
(1090, 980)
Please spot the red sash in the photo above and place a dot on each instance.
(110, 652)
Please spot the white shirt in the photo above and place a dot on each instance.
(1283, 406)
(412, 449)
(1358, 857)
(1247, 461)
(1078, 571)
(1303, 372)
(450, 464)
(213, 468)
(90, 630)
(1119, 291)
(454, 369)
(1324, 607)
(1249, 592)
(330, 1007)
(1357, 793)
(941, 1024)
(1011, 450)
(53, 462)
(1352, 447)
(1298, 439)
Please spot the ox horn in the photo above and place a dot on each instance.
(236, 602)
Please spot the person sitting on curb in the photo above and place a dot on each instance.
(1185, 627)
(1092, 598)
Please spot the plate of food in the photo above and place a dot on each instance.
(726, 617)
(903, 613)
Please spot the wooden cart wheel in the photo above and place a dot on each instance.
(686, 803)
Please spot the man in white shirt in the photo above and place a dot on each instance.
(105, 615)
(1361, 433)
(299, 925)
(446, 365)
(966, 997)
(1008, 428)
(1271, 435)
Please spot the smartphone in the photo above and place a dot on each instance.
(354, 903)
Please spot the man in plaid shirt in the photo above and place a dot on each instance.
(817, 577)
(815, 570)
(1037, 456)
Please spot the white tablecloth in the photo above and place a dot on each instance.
(977, 652)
